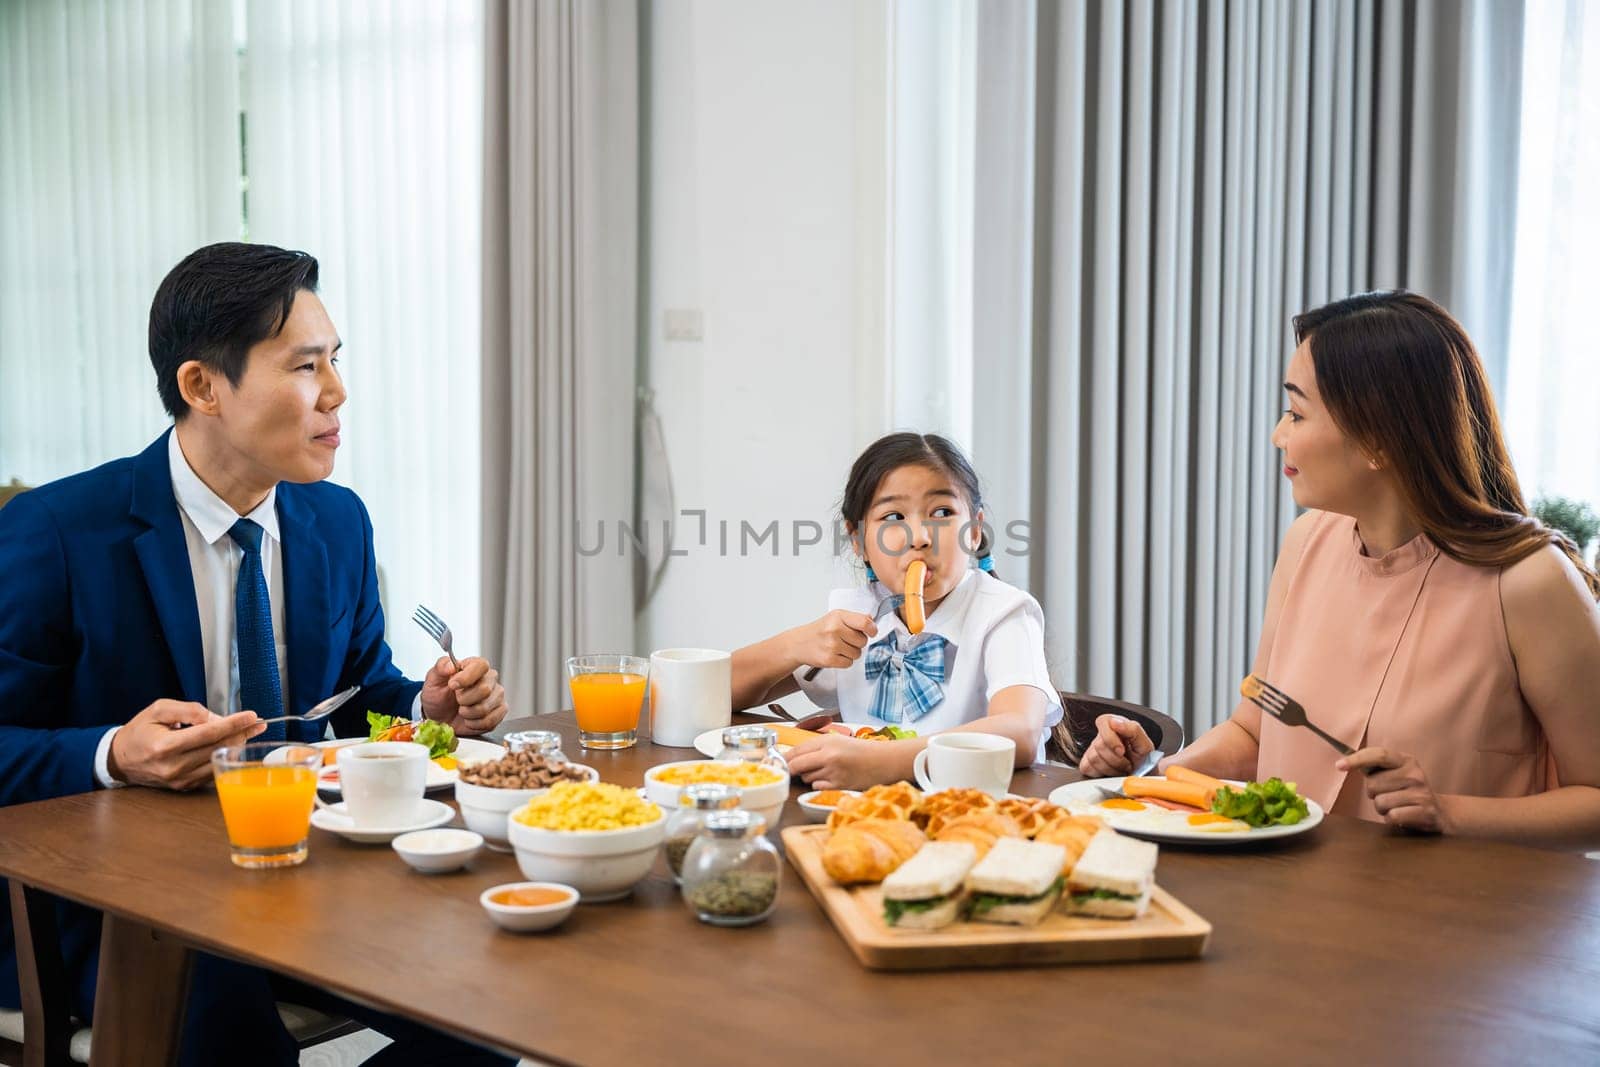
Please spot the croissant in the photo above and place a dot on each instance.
(1071, 832)
(980, 830)
(870, 850)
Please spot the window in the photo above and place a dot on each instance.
(1553, 378)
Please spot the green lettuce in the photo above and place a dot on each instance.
(982, 902)
(377, 724)
(893, 909)
(438, 736)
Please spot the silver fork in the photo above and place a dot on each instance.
(437, 629)
(320, 710)
(890, 601)
(1275, 702)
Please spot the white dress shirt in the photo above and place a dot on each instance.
(994, 635)
(214, 563)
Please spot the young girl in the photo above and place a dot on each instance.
(978, 663)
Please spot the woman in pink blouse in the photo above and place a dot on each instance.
(1416, 611)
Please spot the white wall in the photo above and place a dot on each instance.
(766, 177)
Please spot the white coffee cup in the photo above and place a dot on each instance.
(691, 691)
(967, 761)
(383, 782)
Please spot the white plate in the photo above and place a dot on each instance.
(468, 750)
(336, 820)
(710, 742)
(1088, 793)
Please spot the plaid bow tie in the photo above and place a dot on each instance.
(907, 681)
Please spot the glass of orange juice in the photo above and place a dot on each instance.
(607, 694)
(267, 790)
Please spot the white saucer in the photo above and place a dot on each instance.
(336, 820)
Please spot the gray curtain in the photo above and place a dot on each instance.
(560, 244)
(1188, 175)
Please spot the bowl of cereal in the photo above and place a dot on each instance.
(489, 792)
(600, 839)
(761, 789)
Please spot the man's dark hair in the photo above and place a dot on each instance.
(218, 303)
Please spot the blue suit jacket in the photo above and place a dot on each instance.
(98, 619)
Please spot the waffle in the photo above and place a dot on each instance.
(1030, 813)
(938, 809)
(980, 829)
(895, 801)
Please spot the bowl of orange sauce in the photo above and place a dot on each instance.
(524, 907)
(819, 803)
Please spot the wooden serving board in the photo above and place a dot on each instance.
(1167, 929)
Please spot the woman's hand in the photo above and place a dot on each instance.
(1119, 745)
(835, 640)
(1399, 789)
(834, 761)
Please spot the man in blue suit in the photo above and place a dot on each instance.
(163, 605)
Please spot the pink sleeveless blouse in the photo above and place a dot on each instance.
(1408, 651)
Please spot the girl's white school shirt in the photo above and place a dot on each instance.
(994, 634)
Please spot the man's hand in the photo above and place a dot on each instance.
(471, 700)
(169, 744)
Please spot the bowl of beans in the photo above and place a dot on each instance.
(488, 792)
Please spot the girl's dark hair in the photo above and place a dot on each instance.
(896, 450)
(1402, 379)
(217, 304)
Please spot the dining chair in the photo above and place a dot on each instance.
(44, 1033)
(1070, 738)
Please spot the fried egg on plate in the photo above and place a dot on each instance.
(1134, 815)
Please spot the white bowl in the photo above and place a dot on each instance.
(436, 851)
(484, 808)
(524, 920)
(599, 864)
(764, 800)
(820, 812)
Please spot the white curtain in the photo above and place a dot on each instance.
(1160, 187)
(118, 156)
(1553, 377)
(364, 143)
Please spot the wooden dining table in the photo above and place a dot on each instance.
(1351, 943)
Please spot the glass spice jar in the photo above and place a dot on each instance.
(730, 875)
(546, 743)
(696, 802)
(753, 744)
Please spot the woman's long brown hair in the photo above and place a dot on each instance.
(1402, 379)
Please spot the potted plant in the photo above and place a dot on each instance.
(1572, 517)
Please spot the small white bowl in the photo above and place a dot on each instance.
(437, 851)
(764, 800)
(484, 808)
(524, 920)
(820, 812)
(599, 864)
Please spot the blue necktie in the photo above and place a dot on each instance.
(259, 688)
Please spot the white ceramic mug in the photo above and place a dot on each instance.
(691, 691)
(383, 782)
(967, 761)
